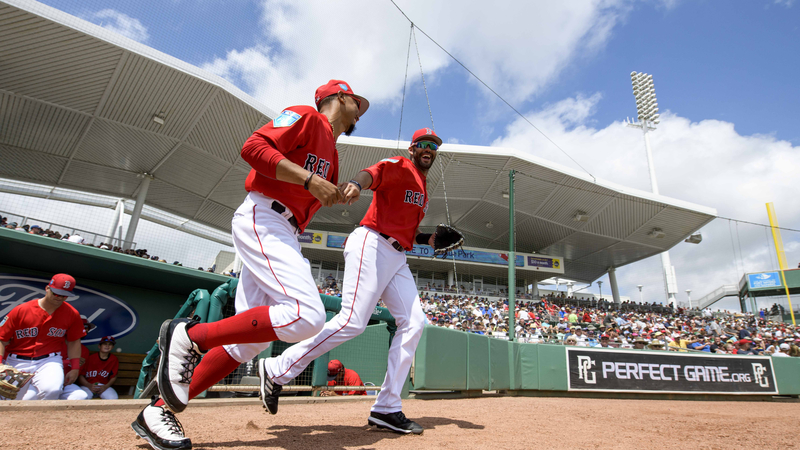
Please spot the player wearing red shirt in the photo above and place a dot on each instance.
(31, 336)
(376, 269)
(338, 375)
(100, 371)
(295, 168)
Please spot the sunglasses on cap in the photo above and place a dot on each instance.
(427, 144)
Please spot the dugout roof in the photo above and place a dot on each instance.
(76, 110)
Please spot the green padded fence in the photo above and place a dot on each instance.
(454, 360)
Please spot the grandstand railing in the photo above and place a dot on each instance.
(89, 237)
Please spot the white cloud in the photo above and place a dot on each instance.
(707, 163)
(121, 23)
(517, 51)
(786, 3)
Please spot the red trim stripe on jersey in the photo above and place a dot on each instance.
(273, 272)
(355, 295)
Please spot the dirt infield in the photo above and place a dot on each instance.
(495, 422)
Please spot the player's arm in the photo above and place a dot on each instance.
(107, 385)
(351, 191)
(323, 190)
(82, 381)
(74, 354)
(424, 238)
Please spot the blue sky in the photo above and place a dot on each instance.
(725, 75)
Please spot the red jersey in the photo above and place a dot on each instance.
(351, 378)
(303, 136)
(65, 357)
(400, 200)
(98, 371)
(31, 332)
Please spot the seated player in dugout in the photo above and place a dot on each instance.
(338, 375)
(100, 371)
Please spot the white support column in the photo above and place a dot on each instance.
(612, 279)
(535, 290)
(451, 277)
(118, 213)
(137, 211)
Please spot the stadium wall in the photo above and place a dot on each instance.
(458, 361)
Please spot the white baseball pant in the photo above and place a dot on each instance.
(48, 380)
(275, 273)
(74, 392)
(373, 270)
(108, 394)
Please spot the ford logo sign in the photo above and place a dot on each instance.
(112, 316)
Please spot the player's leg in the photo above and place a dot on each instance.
(279, 300)
(402, 300)
(49, 379)
(365, 276)
(75, 392)
(109, 394)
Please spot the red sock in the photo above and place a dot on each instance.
(214, 366)
(248, 327)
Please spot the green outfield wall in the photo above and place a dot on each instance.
(454, 360)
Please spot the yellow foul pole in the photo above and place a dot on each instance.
(776, 236)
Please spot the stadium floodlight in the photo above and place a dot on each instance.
(644, 92)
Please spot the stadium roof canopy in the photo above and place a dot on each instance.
(77, 109)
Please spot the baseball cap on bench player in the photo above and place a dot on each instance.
(426, 134)
(62, 284)
(333, 87)
(334, 367)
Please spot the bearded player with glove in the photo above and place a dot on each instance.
(375, 268)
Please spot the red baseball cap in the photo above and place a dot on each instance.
(426, 134)
(334, 367)
(334, 87)
(62, 284)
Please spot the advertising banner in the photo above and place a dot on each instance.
(764, 280)
(477, 256)
(661, 372)
(546, 263)
(311, 238)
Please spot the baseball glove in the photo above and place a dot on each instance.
(12, 380)
(446, 239)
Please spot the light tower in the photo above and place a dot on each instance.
(689, 296)
(647, 113)
(640, 292)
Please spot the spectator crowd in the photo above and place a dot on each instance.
(558, 319)
(76, 238)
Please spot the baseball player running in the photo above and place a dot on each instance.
(375, 268)
(295, 167)
(31, 336)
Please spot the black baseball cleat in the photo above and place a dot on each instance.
(396, 422)
(269, 391)
(179, 357)
(160, 428)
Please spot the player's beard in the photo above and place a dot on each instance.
(350, 130)
(422, 164)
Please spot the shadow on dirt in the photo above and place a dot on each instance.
(328, 437)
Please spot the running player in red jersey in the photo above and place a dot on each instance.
(375, 268)
(31, 336)
(295, 170)
(100, 371)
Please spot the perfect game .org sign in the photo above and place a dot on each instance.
(112, 316)
(654, 372)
